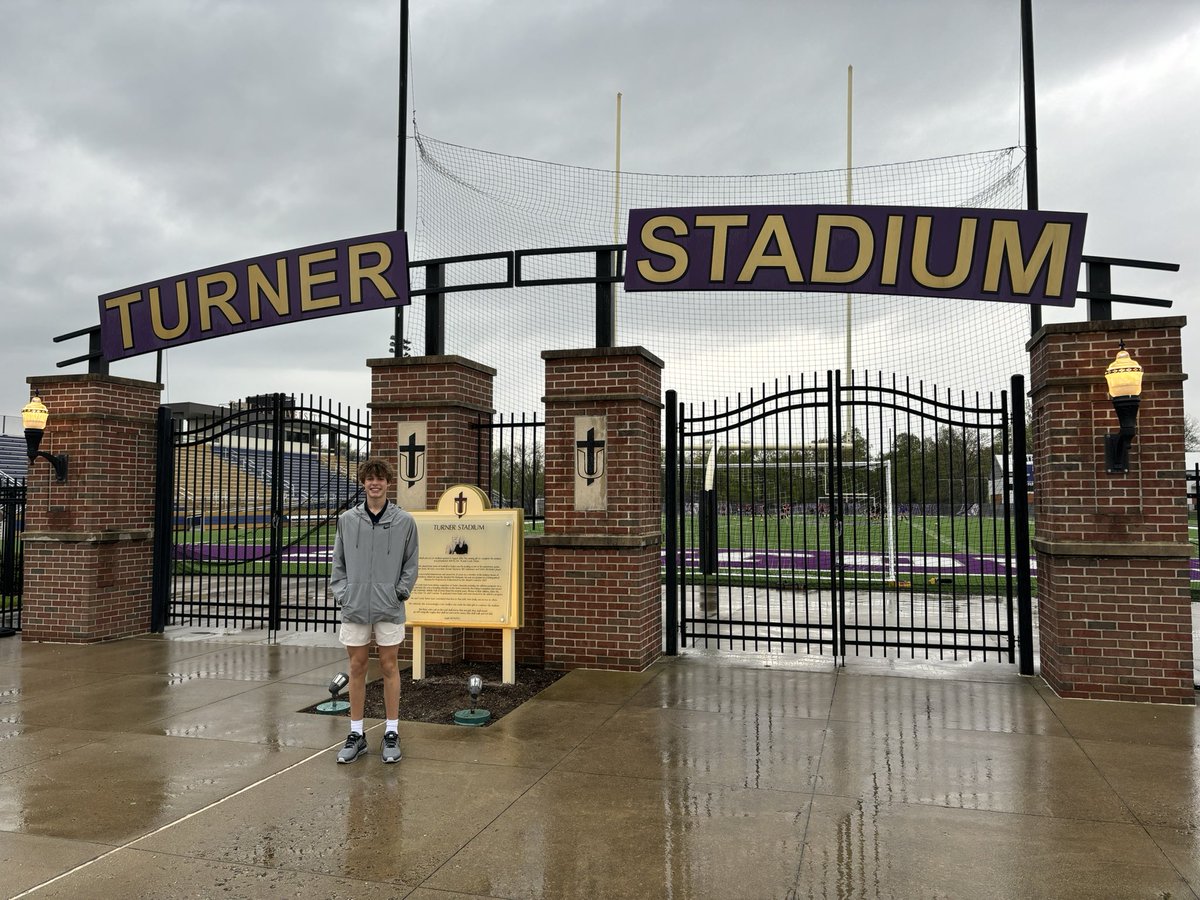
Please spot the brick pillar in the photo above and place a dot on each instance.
(443, 396)
(603, 599)
(1112, 550)
(88, 541)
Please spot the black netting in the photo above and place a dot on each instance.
(714, 344)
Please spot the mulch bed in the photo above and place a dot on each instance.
(443, 691)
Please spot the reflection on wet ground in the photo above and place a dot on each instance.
(181, 768)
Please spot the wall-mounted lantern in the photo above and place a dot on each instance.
(33, 419)
(1124, 377)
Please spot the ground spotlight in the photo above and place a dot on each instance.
(474, 715)
(333, 705)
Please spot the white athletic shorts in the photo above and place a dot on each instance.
(355, 634)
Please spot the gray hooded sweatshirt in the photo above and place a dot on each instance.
(374, 565)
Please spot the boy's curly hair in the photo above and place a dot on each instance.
(376, 467)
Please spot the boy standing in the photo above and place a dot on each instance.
(374, 570)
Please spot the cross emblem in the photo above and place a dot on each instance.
(460, 504)
(589, 455)
(412, 456)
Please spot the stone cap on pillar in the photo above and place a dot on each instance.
(384, 362)
(1072, 356)
(588, 352)
(92, 378)
(1115, 326)
(403, 384)
(594, 373)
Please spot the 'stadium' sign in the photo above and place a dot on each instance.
(350, 275)
(980, 254)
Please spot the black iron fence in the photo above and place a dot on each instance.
(12, 524)
(874, 517)
(510, 465)
(1192, 478)
(248, 500)
(247, 510)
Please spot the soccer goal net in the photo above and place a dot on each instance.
(784, 482)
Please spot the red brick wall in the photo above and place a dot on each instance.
(1119, 629)
(602, 583)
(605, 609)
(592, 590)
(88, 541)
(1113, 589)
(450, 394)
(626, 387)
(81, 592)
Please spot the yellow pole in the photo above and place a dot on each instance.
(617, 199)
(849, 198)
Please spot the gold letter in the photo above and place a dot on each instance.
(375, 273)
(121, 304)
(866, 247)
(258, 287)
(720, 226)
(665, 248)
(962, 262)
(775, 227)
(891, 250)
(1006, 246)
(221, 300)
(308, 279)
(181, 307)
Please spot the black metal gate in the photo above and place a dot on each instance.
(859, 519)
(246, 510)
(12, 523)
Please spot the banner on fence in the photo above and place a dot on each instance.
(1015, 256)
(350, 275)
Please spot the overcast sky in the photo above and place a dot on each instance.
(141, 140)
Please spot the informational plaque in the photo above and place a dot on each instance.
(470, 572)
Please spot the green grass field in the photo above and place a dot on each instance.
(982, 535)
(924, 534)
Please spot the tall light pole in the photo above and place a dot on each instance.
(401, 163)
(1031, 157)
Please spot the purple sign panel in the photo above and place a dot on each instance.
(979, 254)
(344, 276)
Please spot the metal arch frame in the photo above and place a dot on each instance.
(609, 269)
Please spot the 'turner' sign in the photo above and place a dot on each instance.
(982, 254)
(322, 280)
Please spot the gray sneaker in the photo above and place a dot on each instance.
(356, 746)
(390, 748)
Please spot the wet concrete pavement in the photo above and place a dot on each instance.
(163, 768)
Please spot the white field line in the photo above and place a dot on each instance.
(954, 548)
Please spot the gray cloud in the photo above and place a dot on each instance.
(145, 139)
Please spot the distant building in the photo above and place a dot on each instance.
(13, 460)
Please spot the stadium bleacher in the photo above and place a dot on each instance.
(307, 479)
(13, 461)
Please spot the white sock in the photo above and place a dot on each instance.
(392, 725)
(356, 726)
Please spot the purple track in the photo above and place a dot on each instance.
(798, 561)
